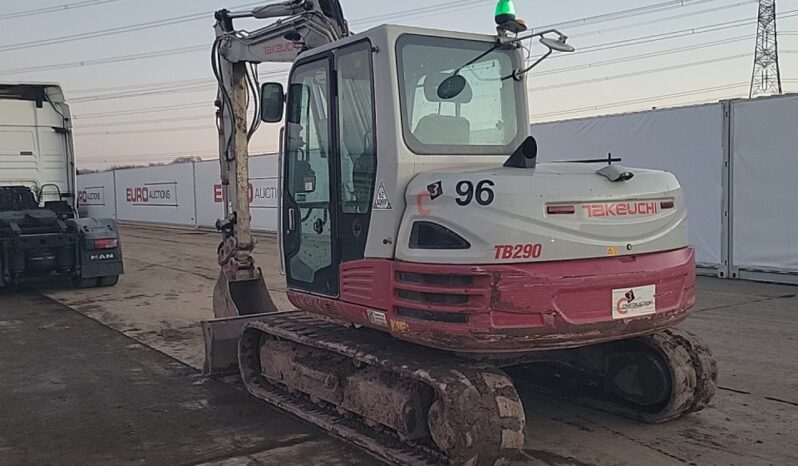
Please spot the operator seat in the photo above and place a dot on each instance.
(437, 129)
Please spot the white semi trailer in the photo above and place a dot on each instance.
(41, 234)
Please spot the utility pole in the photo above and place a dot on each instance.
(766, 79)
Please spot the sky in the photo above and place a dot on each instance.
(146, 94)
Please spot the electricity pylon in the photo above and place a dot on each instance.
(767, 74)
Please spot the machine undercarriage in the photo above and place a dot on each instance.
(414, 405)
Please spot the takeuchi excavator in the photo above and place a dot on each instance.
(428, 255)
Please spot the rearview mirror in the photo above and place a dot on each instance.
(272, 102)
(558, 45)
(451, 87)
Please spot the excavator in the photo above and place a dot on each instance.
(431, 260)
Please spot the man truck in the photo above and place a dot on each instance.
(42, 236)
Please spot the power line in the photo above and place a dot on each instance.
(197, 152)
(167, 84)
(642, 100)
(665, 19)
(184, 89)
(114, 31)
(147, 131)
(53, 9)
(415, 12)
(169, 22)
(197, 105)
(200, 47)
(143, 122)
(86, 116)
(622, 14)
(667, 36)
(598, 47)
(544, 88)
(637, 57)
(130, 95)
(661, 36)
(590, 49)
(640, 73)
(170, 88)
(144, 86)
(195, 48)
(103, 61)
(544, 73)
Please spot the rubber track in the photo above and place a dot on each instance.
(490, 418)
(694, 374)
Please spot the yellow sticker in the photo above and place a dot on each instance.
(399, 326)
(613, 251)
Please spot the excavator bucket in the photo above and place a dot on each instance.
(235, 303)
(236, 297)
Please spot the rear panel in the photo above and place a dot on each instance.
(552, 213)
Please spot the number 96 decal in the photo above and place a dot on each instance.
(518, 251)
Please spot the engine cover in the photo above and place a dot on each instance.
(554, 212)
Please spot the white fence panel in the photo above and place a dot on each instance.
(96, 195)
(264, 185)
(685, 141)
(157, 195)
(764, 192)
(209, 193)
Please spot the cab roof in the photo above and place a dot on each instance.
(393, 32)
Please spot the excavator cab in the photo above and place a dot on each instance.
(345, 173)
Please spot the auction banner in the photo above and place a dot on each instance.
(96, 195)
(157, 195)
(263, 193)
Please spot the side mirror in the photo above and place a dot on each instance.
(451, 87)
(558, 45)
(272, 102)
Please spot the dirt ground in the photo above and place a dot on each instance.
(753, 329)
(75, 392)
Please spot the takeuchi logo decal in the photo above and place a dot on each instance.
(281, 48)
(622, 209)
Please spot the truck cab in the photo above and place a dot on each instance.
(41, 234)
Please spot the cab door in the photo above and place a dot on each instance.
(330, 167)
(356, 144)
(309, 204)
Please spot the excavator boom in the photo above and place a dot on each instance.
(302, 25)
(240, 291)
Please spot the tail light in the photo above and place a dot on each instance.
(106, 243)
(667, 205)
(561, 209)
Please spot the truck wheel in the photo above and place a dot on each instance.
(83, 283)
(110, 280)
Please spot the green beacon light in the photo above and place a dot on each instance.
(505, 12)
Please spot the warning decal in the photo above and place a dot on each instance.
(382, 202)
